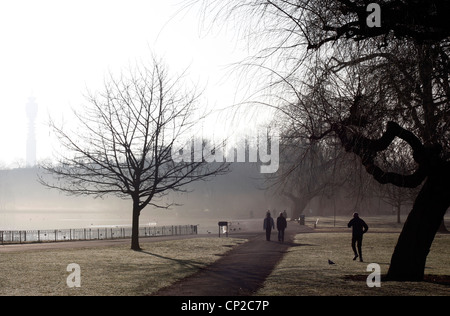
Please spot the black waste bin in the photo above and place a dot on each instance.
(302, 219)
(223, 225)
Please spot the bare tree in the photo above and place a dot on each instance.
(339, 78)
(307, 171)
(124, 142)
(397, 196)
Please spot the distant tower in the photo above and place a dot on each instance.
(32, 110)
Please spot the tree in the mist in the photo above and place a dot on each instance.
(311, 169)
(306, 171)
(397, 196)
(367, 76)
(124, 141)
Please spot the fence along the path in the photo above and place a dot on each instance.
(56, 235)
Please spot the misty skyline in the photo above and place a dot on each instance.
(57, 52)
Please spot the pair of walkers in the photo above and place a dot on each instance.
(269, 224)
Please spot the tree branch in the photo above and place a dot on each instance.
(367, 150)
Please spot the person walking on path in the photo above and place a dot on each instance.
(281, 226)
(268, 225)
(359, 227)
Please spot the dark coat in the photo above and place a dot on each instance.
(268, 223)
(359, 226)
(281, 223)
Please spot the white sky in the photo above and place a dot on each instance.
(54, 50)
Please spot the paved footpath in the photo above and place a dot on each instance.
(241, 272)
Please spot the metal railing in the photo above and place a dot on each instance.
(58, 235)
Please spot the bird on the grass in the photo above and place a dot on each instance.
(330, 262)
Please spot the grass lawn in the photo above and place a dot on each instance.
(114, 270)
(305, 270)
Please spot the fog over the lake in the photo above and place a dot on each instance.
(26, 204)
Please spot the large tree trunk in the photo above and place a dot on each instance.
(414, 243)
(135, 226)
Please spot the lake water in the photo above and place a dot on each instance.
(67, 219)
(33, 219)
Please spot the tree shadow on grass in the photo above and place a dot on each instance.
(293, 244)
(188, 263)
